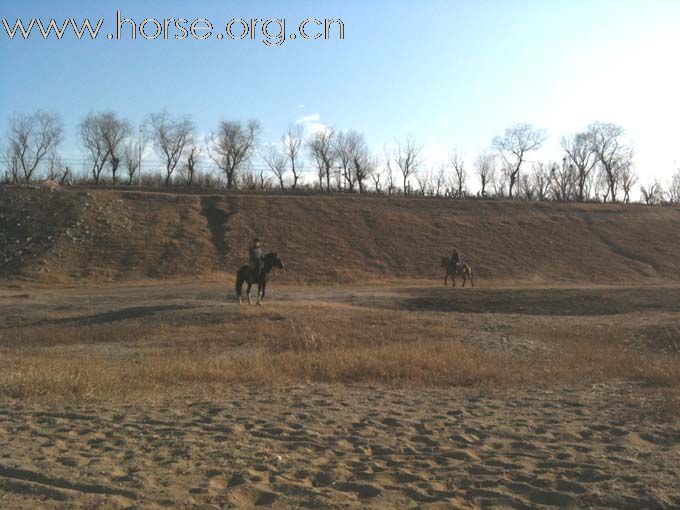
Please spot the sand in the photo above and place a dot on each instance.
(319, 446)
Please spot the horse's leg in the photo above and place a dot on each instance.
(446, 278)
(264, 288)
(239, 288)
(248, 292)
(259, 293)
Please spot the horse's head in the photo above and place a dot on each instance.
(445, 262)
(273, 260)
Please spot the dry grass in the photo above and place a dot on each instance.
(301, 344)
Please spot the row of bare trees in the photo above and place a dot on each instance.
(597, 163)
(112, 148)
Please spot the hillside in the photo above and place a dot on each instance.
(73, 235)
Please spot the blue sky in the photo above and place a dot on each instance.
(452, 73)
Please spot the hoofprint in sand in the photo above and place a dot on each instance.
(324, 446)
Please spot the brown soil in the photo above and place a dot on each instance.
(80, 235)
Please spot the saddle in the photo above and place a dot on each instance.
(252, 272)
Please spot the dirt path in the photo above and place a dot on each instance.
(39, 306)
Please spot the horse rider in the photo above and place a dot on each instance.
(255, 258)
(455, 262)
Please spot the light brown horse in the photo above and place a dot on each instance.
(463, 270)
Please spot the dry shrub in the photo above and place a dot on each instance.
(399, 364)
(426, 363)
(595, 355)
(303, 336)
(43, 376)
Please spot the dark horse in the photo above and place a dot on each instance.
(245, 275)
(463, 270)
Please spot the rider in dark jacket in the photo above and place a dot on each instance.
(456, 261)
(255, 257)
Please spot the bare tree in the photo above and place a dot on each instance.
(264, 183)
(376, 177)
(93, 140)
(250, 180)
(514, 146)
(170, 138)
(439, 181)
(484, 165)
(104, 136)
(540, 176)
(459, 173)
(194, 153)
(563, 180)
(389, 172)
(408, 157)
(601, 186)
(612, 152)
(232, 146)
(55, 166)
(337, 177)
(115, 131)
(292, 144)
(361, 161)
(628, 180)
(343, 148)
(652, 193)
(30, 140)
(57, 171)
(10, 159)
(321, 148)
(499, 180)
(277, 162)
(580, 153)
(131, 159)
(674, 188)
(424, 179)
(66, 177)
(526, 187)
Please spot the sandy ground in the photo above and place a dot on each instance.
(335, 446)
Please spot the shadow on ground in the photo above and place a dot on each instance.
(135, 312)
(558, 302)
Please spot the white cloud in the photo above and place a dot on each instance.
(312, 124)
(314, 117)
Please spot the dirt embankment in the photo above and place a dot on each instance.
(71, 235)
